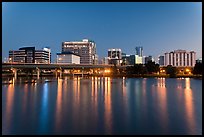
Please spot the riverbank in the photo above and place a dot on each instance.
(111, 75)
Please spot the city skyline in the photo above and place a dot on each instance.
(157, 27)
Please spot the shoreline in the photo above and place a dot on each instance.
(112, 76)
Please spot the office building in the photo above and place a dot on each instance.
(105, 61)
(149, 58)
(135, 59)
(30, 55)
(115, 56)
(125, 59)
(139, 51)
(161, 60)
(43, 56)
(23, 55)
(180, 58)
(85, 49)
(68, 57)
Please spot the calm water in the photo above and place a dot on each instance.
(103, 106)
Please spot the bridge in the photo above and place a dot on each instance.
(60, 68)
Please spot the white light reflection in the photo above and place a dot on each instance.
(44, 109)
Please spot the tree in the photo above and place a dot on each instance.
(197, 68)
(171, 71)
(136, 69)
(152, 67)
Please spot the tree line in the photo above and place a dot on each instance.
(152, 68)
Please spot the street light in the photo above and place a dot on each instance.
(188, 71)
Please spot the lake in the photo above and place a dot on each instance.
(102, 105)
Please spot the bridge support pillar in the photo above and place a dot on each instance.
(82, 72)
(38, 73)
(58, 71)
(15, 72)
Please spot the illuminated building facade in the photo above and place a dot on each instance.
(85, 49)
(30, 55)
(114, 56)
(68, 57)
(180, 58)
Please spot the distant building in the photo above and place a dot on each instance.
(125, 59)
(68, 57)
(199, 60)
(115, 56)
(161, 60)
(30, 55)
(135, 59)
(105, 61)
(149, 58)
(139, 51)
(85, 49)
(180, 58)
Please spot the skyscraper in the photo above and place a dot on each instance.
(139, 51)
(85, 49)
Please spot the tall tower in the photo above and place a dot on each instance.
(139, 51)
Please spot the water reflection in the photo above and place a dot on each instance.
(108, 107)
(25, 98)
(189, 107)
(8, 112)
(44, 109)
(58, 114)
(103, 105)
(162, 98)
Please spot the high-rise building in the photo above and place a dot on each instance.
(161, 60)
(139, 51)
(149, 58)
(180, 58)
(85, 49)
(30, 55)
(115, 56)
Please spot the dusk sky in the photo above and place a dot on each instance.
(157, 27)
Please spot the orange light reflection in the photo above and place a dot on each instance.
(59, 105)
(188, 97)
(108, 107)
(9, 105)
(162, 98)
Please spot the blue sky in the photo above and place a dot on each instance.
(158, 27)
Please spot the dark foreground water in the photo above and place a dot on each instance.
(103, 106)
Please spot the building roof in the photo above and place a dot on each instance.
(67, 53)
(27, 48)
